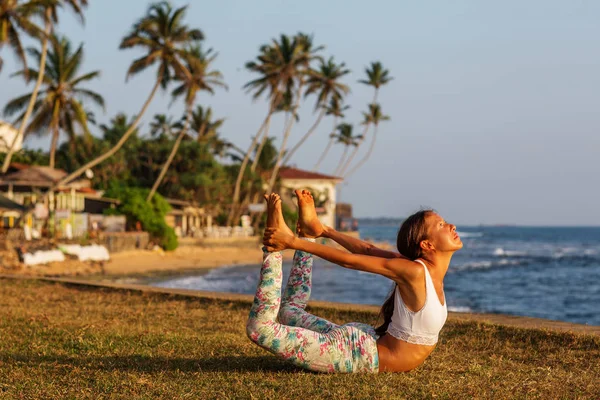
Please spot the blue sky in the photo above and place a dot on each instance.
(494, 105)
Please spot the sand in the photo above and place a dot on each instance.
(147, 262)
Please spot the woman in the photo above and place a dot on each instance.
(413, 314)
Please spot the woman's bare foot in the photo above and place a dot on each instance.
(308, 222)
(275, 215)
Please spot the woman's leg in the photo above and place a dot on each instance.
(343, 349)
(296, 295)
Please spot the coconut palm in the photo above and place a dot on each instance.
(325, 82)
(282, 66)
(373, 117)
(204, 125)
(198, 77)
(345, 137)
(59, 106)
(377, 76)
(48, 10)
(335, 109)
(292, 62)
(162, 125)
(163, 36)
(14, 17)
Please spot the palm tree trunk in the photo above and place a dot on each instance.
(117, 146)
(347, 164)
(55, 133)
(246, 199)
(286, 136)
(310, 132)
(366, 157)
(238, 183)
(165, 167)
(34, 94)
(262, 145)
(326, 148)
(341, 159)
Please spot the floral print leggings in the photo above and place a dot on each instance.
(302, 338)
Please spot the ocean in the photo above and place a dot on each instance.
(544, 272)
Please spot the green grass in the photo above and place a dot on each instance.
(62, 341)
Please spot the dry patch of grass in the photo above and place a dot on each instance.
(62, 341)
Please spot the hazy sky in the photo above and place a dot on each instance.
(494, 105)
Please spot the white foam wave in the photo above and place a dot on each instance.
(460, 309)
(500, 252)
(469, 234)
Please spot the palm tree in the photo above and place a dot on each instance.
(198, 78)
(335, 109)
(377, 76)
(291, 65)
(162, 125)
(49, 10)
(59, 106)
(346, 138)
(281, 65)
(163, 36)
(374, 117)
(15, 16)
(204, 125)
(325, 82)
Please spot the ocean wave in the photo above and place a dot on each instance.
(469, 234)
(486, 264)
(460, 309)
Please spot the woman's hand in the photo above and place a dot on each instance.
(275, 239)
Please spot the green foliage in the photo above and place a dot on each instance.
(150, 214)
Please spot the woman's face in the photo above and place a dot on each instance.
(442, 235)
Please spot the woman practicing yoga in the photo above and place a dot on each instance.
(413, 315)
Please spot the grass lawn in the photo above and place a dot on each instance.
(64, 341)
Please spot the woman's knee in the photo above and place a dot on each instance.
(259, 331)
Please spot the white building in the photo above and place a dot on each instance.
(321, 186)
(7, 135)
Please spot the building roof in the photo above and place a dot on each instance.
(8, 204)
(35, 175)
(295, 173)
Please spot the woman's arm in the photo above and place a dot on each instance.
(357, 246)
(397, 269)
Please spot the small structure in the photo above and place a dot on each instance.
(321, 186)
(7, 135)
(10, 212)
(71, 205)
(186, 218)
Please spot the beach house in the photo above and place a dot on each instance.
(322, 187)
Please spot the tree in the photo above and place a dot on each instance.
(162, 125)
(335, 109)
(199, 78)
(291, 65)
(377, 76)
(49, 10)
(203, 124)
(374, 117)
(59, 107)
(345, 137)
(15, 17)
(324, 82)
(162, 35)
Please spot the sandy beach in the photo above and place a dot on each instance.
(147, 262)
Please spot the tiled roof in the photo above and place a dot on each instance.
(295, 173)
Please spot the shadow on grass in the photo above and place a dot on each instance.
(138, 363)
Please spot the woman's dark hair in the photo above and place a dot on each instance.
(412, 231)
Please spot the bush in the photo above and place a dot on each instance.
(150, 215)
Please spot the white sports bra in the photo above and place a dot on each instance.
(423, 326)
